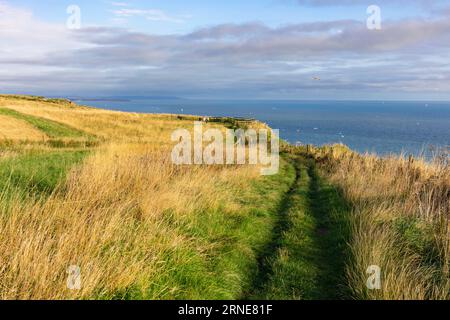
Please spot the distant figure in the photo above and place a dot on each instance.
(316, 78)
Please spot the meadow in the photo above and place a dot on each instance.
(400, 221)
(97, 189)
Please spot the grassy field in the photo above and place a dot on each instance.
(37, 172)
(97, 189)
(399, 221)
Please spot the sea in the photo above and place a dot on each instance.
(381, 127)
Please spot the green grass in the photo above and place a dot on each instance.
(307, 255)
(333, 232)
(51, 128)
(34, 169)
(418, 237)
(36, 172)
(235, 240)
(289, 243)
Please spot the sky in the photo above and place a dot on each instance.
(253, 49)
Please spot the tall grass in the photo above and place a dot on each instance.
(50, 128)
(137, 226)
(400, 221)
(122, 217)
(61, 121)
(15, 129)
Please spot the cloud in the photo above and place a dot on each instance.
(149, 14)
(335, 3)
(119, 4)
(241, 60)
(25, 36)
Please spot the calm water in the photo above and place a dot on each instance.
(381, 127)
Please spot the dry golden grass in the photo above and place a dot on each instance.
(123, 213)
(384, 192)
(111, 219)
(109, 125)
(13, 129)
(117, 214)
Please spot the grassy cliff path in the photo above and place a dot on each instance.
(305, 259)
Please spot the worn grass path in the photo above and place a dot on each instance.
(305, 259)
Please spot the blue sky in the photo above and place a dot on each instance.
(266, 49)
(202, 13)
